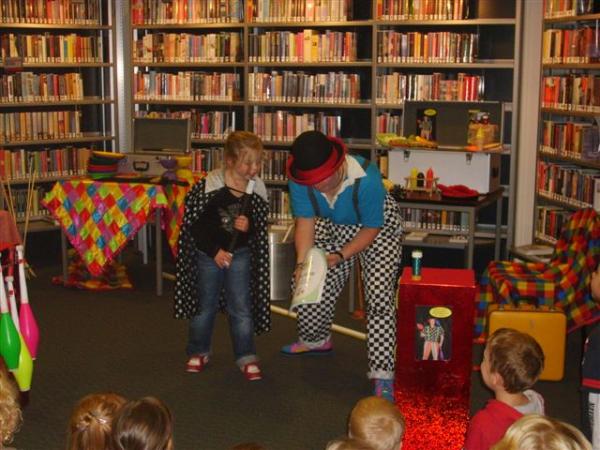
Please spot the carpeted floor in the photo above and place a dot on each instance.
(127, 342)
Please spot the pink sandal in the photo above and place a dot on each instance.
(196, 363)
(252, 372)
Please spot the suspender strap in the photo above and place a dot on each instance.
(313, 199)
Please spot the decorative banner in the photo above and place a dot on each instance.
(100, 217)
(173, 213)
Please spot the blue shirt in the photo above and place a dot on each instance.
(371, 195)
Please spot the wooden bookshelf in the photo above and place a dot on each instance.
(94, 107)
(496, 24)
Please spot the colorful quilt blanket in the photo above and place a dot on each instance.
(563, 282)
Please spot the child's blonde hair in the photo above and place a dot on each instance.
(517, 357)
(377, 422)
(10, 410)
(239, 142)
(146, 424)
(248, 446)
(91, 419)
(535, 432)
(348, 444)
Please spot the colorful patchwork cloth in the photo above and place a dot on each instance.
(173, 214)
(563, 282)
(100, 217)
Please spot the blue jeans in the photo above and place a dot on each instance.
(235, 281)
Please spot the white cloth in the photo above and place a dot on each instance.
(535, 404)
(215, 179)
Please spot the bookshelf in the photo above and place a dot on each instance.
(332, 65)
(568, 160)
(57, 98)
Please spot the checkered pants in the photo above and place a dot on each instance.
(380, 264)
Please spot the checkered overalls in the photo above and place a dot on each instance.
(380, 263)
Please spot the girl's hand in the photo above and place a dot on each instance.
(241, 223)
(223, 259)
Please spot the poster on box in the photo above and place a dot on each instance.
(426, 123)
(433, 329)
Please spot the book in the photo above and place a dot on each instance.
(536, 249)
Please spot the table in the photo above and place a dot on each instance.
(471, 208)
(9, 235)
(100, 217)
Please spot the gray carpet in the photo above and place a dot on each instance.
(127, 342)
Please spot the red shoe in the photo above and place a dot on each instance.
(196, 363)
(252, 372)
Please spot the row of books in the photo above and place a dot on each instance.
(39, 125)
(30, 86)
(389, 123)
(185, 11)
(434, 47)
(47, 48)
(36, 209)
(550, 221)
(224, 46)
(204, 124)
(279, 204)
(77, 12)
(566, 183)
(299, 10)
(577, 140)
(274, 165)
(429, 219)
(186, 85)
(284, 126)
(422, 9)
(331, 87)
(398, 87)
(566, 8)
(302, 46)
(574, 92)
(15, 164)
(570, 45)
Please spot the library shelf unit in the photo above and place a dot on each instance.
(57, 97)
(568, 161)
(281, 87)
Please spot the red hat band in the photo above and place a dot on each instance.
(325, 170)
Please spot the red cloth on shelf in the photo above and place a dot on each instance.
(9, 235)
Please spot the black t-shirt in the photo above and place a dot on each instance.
(214, 228)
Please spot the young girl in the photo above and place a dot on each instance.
(223, 260)
(146, 424)
(91, 420)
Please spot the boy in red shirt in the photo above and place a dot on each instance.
(512, 363)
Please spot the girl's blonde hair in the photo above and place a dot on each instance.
(535, 432)
(10, 410)
(378, 423)
(239, 142)
(90, 424)
(146, 424)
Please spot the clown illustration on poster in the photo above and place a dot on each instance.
(433, 333)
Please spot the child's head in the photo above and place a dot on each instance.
(10, 411)
(243, 152)
(348, 444)
(378, 423)
(90, 423)
(146, 424)
(535, 432)
(512, 361)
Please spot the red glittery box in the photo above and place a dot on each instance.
(434, 355)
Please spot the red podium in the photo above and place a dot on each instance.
(434, 356)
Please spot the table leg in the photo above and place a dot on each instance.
(64, 256)
(498, 228)
(471, 241)
(159, 279)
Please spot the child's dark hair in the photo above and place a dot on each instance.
(144, 424)
(238, 141)
(91, 419)
(517, 357)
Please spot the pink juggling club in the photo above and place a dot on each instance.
(27, 323)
